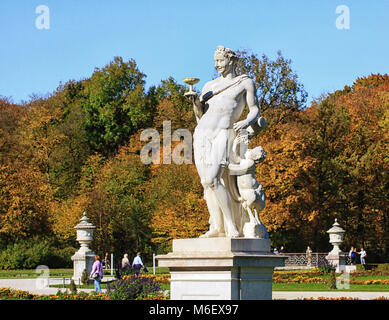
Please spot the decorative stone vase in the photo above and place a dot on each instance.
(336, 237)
(336, 257)
(84, 257)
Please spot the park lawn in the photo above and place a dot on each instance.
(324, 287)
(31, 273)
(370, 277)
(59, 273)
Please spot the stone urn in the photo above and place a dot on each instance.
(336, 234)
(84, 257)
(336, 257)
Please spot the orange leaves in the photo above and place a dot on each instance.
(24, 201)
(178, 208)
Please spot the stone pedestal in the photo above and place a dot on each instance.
(338, 260)
(350, 269)
(82, 260)
(221, 269)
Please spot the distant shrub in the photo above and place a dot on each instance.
(332, 280)
(84, 277)
(29, 253)
(62, 257)
(26, 254)
(73, 287)
(383, 267)
(326, 268)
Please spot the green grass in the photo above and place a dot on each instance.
(371, 277)
(324, 287)
(59, 273)
(31, 273)
(53, 273)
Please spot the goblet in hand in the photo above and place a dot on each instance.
(191, 82)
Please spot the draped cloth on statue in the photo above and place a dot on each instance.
(229, 180)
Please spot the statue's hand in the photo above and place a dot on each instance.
(192, 95)
(240, 125)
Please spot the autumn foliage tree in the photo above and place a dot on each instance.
(331, 162)
(25, 194)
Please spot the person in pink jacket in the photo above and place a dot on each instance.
(97, 269)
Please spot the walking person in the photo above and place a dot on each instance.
(97, 273)
(106, 261)
(125, 262)
(363, 257)
(137, 263)
(350, 255)
(353, 256)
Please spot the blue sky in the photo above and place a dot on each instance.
(178, 38)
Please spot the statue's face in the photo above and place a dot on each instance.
(223, 65)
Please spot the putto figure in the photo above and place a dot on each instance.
(218, 110)
(252, 196)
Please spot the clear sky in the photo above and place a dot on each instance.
(177, 38)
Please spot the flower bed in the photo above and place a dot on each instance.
(161, 278)
(299, 279)
(381, 282)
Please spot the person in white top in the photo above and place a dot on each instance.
(363, 257)
(125, 262)
(137, 263)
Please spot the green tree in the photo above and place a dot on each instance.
(278, 88)
(115, 105)
(172, 105)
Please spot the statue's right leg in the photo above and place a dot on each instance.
(216, 224)
(202, 150)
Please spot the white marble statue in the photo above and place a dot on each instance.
(218, 110)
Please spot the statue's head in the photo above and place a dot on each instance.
(257, 154)
(225, 60)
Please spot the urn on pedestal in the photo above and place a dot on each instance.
(336, 257)
(84, 257)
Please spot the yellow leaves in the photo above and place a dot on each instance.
(313, 215)
(67, 215)
(24, 200)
